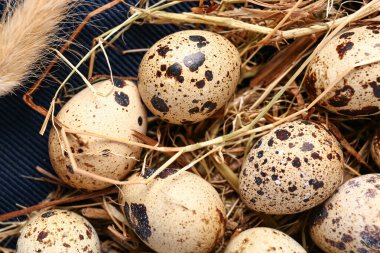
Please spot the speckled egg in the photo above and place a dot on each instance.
(58, 231)
(187, 76)
(174, 213)
(358, 93)
(294, 167)
(263, 239)
(115, 115)
(350, 220)
(375, 147)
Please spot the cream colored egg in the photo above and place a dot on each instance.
(174, 213)
(263, 239)
(358, 93)
(189, 75)
(375, 147)
(349, 221)
(115, 115)
(294, 167)
(58, 231)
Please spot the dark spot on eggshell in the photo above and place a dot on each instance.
(48, 214)
(258, 144)
(330, 156)
(163, 50)
(347, 238)
(307, 146)
(140, 223)
(70, 169)
(371, 236)
(140, 120)
(374, 29)
(362, 250)
(367, 110)
(106, 152)
(346, 35)
(119, 83)
(151, 56)
(209, 76)
(162, 175)
(42, 235)
(260, 154)
(316, 156)
(375, 88)
(121, 98)
(371, 193)
(338, 245)
(66, 245)
(260, 192)
(270, 142)
(316, 184)
(200, 84)
(194, 61)
(296, 162)
(292, 188)
(209, 106)
(202, 42)
(320, 215)
(342, 96)
(159, 104)
(158, 73)
(194, 110)
(343, 48)
(163, 67)
(282, 134)
(175, 71)
(258, 180)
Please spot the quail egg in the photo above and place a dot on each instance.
(294, 167)
(174, 213)
(115, 115)
(358, 93)
(349, 220)
(189, 75)
(58, 231)
(263, 239)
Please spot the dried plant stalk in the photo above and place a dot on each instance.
(25, 33)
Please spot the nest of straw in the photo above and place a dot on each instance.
(276, 41)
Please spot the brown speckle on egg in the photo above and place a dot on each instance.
(200, 67)
(294, 174)
(349, 220)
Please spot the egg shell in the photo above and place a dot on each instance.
(294, 167)
(58, 231)
(358, 93)
(261, 239)
(115, 115)
(349, 221)
(375, 147)
(174, 213)
(189, 75)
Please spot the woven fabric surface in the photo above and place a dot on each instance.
(21, 146)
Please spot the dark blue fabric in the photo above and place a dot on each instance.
(21, 147)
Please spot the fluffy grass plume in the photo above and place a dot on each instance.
(25, 33)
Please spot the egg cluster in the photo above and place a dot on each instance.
(185, 78)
